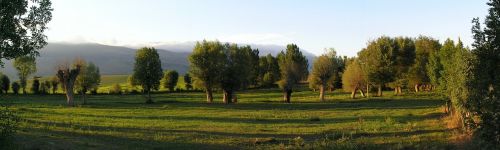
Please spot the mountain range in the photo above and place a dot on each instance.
(120, 59)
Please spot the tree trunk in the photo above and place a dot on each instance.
(149, 101)
(362, 93)
(353, 93)
(367, 91)
(228, 96)
(379, 93)
(70, 95)
(396, 91)
(84, 96)
(210, 98)
(399, 91)
(416, 88)
(322, 93)
(288, 95)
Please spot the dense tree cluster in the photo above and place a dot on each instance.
(483, 83)
(226, 66)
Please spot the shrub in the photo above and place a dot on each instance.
(116, 89)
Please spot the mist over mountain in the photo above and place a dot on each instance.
(119, 59)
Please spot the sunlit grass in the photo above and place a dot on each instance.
(184, 120)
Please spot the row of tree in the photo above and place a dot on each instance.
(230, 67)
(400, 62)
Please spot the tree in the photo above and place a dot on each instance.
(147, 70)
(55, 84)
(353, 78)
(403, 57)
(445, 55)
(418, 74)
(188, 82)
(25, 66)
(376, 62)
(4, 83)
(235, 71)
(335, 80)
(67, 77)
(35, 85)
(22, 29)
(293, 68)
(170, 79)
(323, 69)
(269, 71)
(15, 88)
(252, 75)
(206, 65)
(88, 79)
(46, 86)
(484, 86)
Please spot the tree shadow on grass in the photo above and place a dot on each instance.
(179, 144)
(52, 139)
(256, 120)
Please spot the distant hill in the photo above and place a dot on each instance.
(118, 60)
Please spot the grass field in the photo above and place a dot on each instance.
(258, 121)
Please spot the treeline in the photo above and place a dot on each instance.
(231, 68)
(399, 63)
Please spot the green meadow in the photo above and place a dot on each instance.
(258, 121)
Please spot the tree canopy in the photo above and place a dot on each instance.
(22, 27)
(147, 70)
(293, 68)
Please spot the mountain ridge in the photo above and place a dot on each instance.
(114, 60)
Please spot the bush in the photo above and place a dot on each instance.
(116, 89)
(8, 124)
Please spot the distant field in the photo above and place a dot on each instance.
(108, 81)
(258, 121)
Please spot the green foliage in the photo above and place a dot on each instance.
(15, 87)
(4, 83)
(293, 68)
(322, 71)
(25, 66)
(424, 48)
(484, 86)
(22, 27)
(353, 77)
(147, 70)
(54, 82)
(8, 124)
(116, 89)
(188, 82)
(206, 65)
(89, 78)
(170, 79)
(376, 61)
(269, 72)
(252, 58)
(45, 87)
(403, 57)
(236, 69)
(35, 85)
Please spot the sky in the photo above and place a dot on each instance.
(346, 25)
